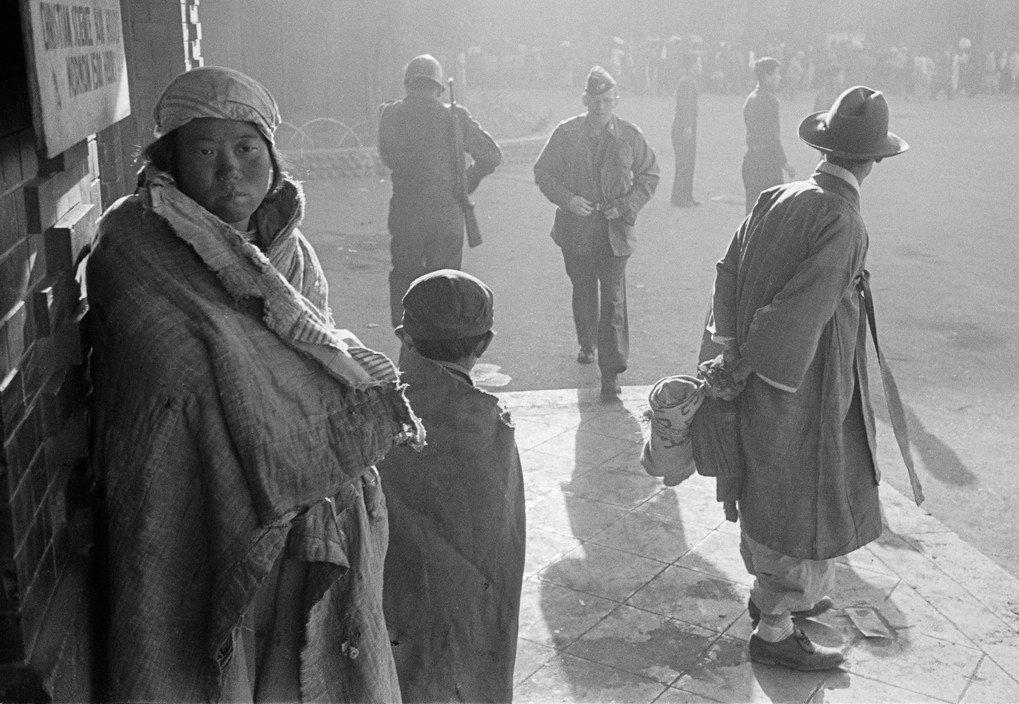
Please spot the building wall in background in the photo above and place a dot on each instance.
(335, 59)
(50, 605)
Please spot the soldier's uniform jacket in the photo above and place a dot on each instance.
(764, 139)
(620, 171)
(686, 106)
(414, 141)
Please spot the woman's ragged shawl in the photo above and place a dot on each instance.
(227, 412)
(300, 317)
(456, 551)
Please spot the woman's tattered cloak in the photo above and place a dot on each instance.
(231, 423)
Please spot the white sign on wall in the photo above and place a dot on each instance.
(77, 69)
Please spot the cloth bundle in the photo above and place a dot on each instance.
(714, 434)
(718, 451)
(691, 430)
(668, 450)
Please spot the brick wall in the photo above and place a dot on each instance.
(50, 642)
(162, 39)
(49, 211)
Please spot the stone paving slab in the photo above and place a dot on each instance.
(635, 592)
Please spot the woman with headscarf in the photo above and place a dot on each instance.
(235, 429)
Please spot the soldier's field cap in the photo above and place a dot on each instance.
(447, 305)
(599, 81)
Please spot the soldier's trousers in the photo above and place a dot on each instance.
(686, 157)
(425, 238)
(757, 177)
(599, 306)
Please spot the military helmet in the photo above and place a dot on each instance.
(424, 67)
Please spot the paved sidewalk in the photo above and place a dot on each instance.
(634, 592)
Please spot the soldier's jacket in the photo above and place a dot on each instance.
(414, 141)
(764, 137)
(622, 173)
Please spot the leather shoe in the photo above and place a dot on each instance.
(610, 386)
(586, 355)
(796, 652)
(823, 604)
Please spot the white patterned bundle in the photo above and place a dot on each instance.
(672, 403)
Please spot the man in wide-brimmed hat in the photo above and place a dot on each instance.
(787, 305)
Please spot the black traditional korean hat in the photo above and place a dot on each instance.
(856, 127)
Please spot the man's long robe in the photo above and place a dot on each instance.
(786, 290)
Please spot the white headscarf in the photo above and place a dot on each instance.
(218, 92)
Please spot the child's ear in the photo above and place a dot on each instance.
(403, 337)
(484, 343)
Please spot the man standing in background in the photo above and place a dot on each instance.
(765, 159)
(425, 218)
(599, 170)
(684, 132)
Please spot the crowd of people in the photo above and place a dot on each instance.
(293, 517)
(653, 64)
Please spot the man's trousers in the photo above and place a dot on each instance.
(425, 238)
(686, 156)
(783, 584)
(758, 177)
(599, 305)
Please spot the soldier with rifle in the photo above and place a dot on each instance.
(423, 142)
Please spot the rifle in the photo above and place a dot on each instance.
(456, 139)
